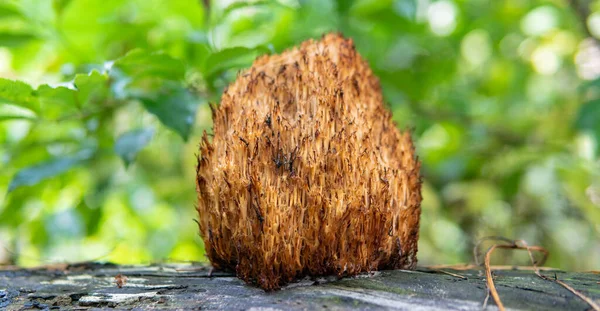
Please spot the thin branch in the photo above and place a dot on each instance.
(488, 271)
(579, 294)
(477, 254)
(464, 267)
(521, 244)
(453, 274)
(485, 301)
(563, 284)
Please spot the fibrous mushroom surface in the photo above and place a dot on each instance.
(306, 173)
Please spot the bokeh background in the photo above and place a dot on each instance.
(98, 141)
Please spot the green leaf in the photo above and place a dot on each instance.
(70, 97)
(18, 93)
(200, 52)
(365, 7)
(92, 87)
(60, 5)
(34, 174)
(591, 84)
(589, 118)
(175, 107)
(12, 40)
(343, 6)
(15, 117)
(58, 101)
(244, 4)
(141, 64)
(129, 144)
(92, 217)
(231, 58)
(7, 10)
(219, 16)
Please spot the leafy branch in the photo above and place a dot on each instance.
(154, 79)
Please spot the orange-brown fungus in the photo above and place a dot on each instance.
(306, 173)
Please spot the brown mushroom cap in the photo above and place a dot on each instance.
(306, 173)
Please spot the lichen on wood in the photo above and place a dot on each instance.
(306, 174)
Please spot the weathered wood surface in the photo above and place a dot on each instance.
(189, 287)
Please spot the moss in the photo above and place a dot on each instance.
(306, 173)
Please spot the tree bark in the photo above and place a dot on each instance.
(192, 287)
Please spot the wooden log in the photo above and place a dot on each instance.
(189, 287)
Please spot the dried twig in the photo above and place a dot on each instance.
(464, 267)
(489, 279)
(577, 293)
(520, 244)
(512, 245)
(477, 254)
(563, 284)
(458, 267)
(452, 274)
(485, 301)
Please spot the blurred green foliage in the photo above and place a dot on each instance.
(98, 143)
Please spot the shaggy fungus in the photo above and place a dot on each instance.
(306, 174)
